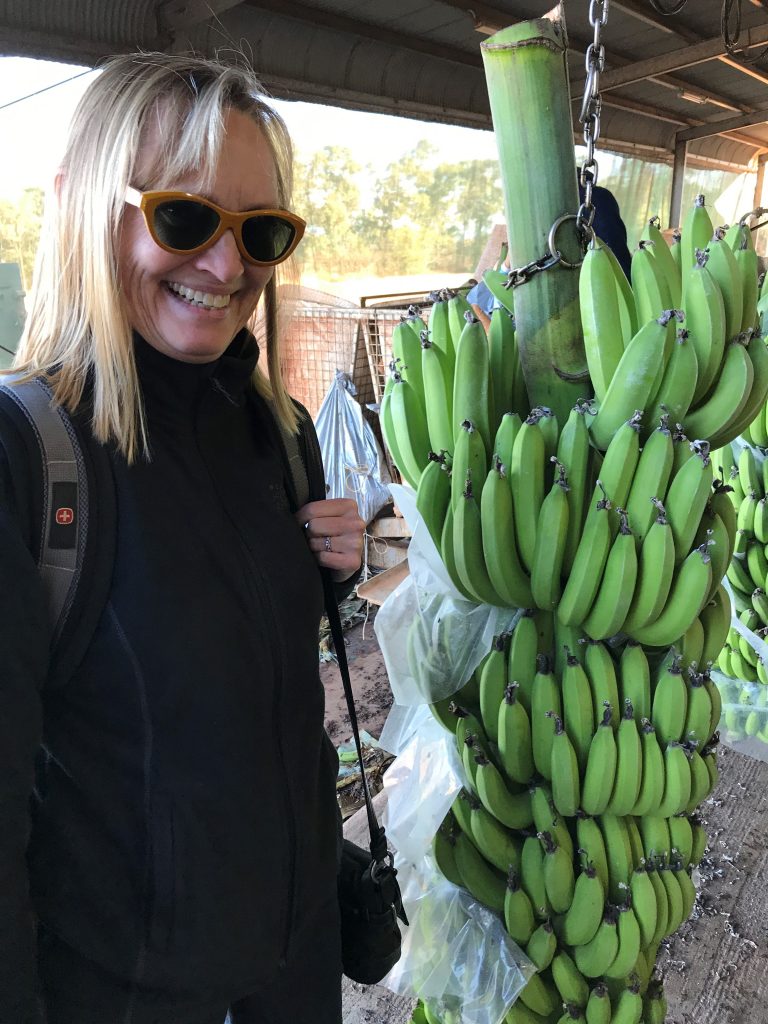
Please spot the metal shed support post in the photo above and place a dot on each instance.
(678, 178)
(760, 181)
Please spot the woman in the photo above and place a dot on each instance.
(183, 853)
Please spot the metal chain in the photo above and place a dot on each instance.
(590, 111)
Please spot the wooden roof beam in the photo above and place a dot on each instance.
(636, 10)
(178, 14)
(321, 18)
(676, 60)
(725, 125)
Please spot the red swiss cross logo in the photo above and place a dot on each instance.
(65, 516)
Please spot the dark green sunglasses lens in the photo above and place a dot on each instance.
(184, 224)
(268, 238)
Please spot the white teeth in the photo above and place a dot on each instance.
(205, 299)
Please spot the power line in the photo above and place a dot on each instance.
(46, 88)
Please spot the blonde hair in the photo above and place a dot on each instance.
(77, 329)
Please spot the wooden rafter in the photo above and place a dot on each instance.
(322, 18)
(176, 14)
(671, 27)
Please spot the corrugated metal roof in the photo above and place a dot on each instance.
(421, 58)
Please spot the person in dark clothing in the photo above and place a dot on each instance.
(181, 858)
(608, 225)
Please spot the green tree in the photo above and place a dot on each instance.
(20, 231)
(327, 195)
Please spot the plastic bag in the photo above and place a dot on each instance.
(354, 464)
(431, 638)
(456, 953)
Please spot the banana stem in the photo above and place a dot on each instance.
(527, 77)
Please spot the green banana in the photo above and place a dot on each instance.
(532, 876)
(686, 599)
(583, 917)
(670, 702)
(618, 849)
(406, 352)
(634, 680)
(546, 818)
(677, 781)
(656, 568)
(595, 957)
(598, 1009)
(628, 931)
(729, 395)
(458, 307)
(591, 845)
(687, 498)
(504, 441)
(545, 697)
(629, 767)
(569, 980)
(471, 381)
(526, 477)
(651, 478)
(617, 586)
(675, 392)
(652, 783)
(483, 881)
(514, 737)
(722, 266)
(601, 673)
(443, 846)
(549, 547)
(649, 284)
(511, 809)
(644, 903)
(498, 845)
(558, 874)
(586, 572)
(601, 768)
(699, 847)
(578, 710)
(573, 452)
(493, 681)
(468, 457)
(633, 382)
(468, 549)
(665, 260)
(410, 428)
(629, 1007)
(438, 397)
(705, 320)
(599, 302)
(698, 711)
(523, 651)
(542, 946)
(539, 996)
(564, 771)
(662, 904)
(433, 495)
(440, 331)
(696, 232)
(504, 364)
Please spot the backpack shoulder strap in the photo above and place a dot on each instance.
(76, 547)
(64, 498)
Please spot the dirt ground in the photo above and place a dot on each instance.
(716, 966)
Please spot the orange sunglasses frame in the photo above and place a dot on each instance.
(147, 202)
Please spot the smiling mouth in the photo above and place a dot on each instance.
(203, 300)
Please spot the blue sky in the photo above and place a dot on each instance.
(32, 132)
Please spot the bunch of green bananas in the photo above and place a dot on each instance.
(745, 478)
(745, 710)
(712, 376)
(577, 824)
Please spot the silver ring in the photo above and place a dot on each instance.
(327, 542)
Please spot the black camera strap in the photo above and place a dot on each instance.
(378, 836)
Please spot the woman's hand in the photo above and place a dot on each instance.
(335, 534)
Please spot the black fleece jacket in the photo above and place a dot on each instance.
(185, 825)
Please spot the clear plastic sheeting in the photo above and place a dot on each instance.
(353, 461)
(431, 638)
(457, 955)
(744, 718)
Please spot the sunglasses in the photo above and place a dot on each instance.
(185, 224)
